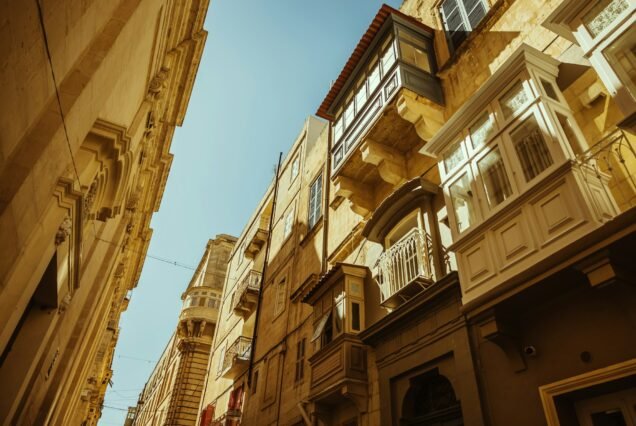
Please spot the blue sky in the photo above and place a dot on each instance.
(266, 66)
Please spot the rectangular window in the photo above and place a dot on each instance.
(454, 156)
(361, 96)
(355, 316)
(531, 148)
(315, 202)
(460, 17)
(462, 200)
(295, 168)
(300, 360)
(603, 14)
(337, 129)
(254, 382)
(413, 51)
(289, 223)
(513, 100)
(374, 78)
(493, 174)
(281, 291)
(482, 130)
(388, 59)
(349, 113)
(219, 367)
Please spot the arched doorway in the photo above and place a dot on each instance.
(431, 401)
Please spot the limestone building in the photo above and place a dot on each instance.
(91, 94)
(468, 256)
(173, 391)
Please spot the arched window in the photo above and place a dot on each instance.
(431, 401)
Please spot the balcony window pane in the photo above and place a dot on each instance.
(513, 100)
(570, 134)
(202, 301)
(482, 130)
(361, 97)
(349, 113)
(414, 56)
(531, 148)
(462, 200)
(493, 174)
(603, 14)
(374, 78)
(338, 155)
(388, 59)
(338, 317)
(549, 90)
(355, 316)
(315, 202)
(454, 156)
(337, 129)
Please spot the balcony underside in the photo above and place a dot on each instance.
(237, 366)
(407, 292)
(246, 303)
(388, 153)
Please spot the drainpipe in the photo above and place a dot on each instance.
(260, 293)
(325, 211)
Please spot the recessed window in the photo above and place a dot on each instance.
(281, 292)
(513, 100)
(355, 316)
(482, 130)
(460, 17)
(289, 223)
(462, 199)
(315, 202)
(300, 360)
(493, 174)
(531, 148)
(295, 169)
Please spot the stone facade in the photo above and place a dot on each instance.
(471, 260)
(173, 391)
(93, 91)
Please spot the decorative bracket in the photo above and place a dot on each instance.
(426, 116)
(390, 162)
(494, 331)
(359, 194)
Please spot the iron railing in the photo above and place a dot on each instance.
(613, 164)
(250, 282)
(239, 350)
(408, 259)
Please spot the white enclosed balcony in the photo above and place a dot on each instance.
(406, 268)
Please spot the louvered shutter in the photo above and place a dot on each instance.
(454, 22)
(475, 11)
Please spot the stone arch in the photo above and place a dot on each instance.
(431, 400)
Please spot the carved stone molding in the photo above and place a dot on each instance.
(64, 230)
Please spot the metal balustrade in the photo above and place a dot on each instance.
(239, 350)
(251, 282)
(408, 261)
(613, 162)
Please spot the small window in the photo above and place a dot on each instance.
(361, 96)
(513, 100)
(202, 301)
(254, 382)
(295, 169)
(493, 174)
(289, 223)
(414, 55)
(315, 202)
(482, 130)
(462, 200)
(549, 90)
(374, 78)
(388, 59)
(337, 128)
(348, 114)
(531, 148)
(281, 292)
(460, 17)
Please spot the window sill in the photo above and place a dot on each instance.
(311, 232)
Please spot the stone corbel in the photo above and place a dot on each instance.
(359, 194)
(390, 162)
(496, 332)
(357, 393)
(600, 270)
(427, 118)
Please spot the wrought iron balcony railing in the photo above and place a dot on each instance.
(249, 286)
(406, 268)
(613, 160)
(236, 354)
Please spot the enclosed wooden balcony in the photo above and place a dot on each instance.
(246, 294)
(384, 106)
(340, 369)
(236, 357)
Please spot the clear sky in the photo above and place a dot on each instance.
(267, 64)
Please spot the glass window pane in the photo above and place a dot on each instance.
(374, 78)
(621, 56)
(531, 148)
(388, 59)
(315, 202)
(570, 134)
(493, 174)
(338, 317)
(603, 14)
(355, 316)
(454, 156)
(482, 130)
(462, 200)
(361, 97)
(549, 90)
(348, 114)
(513, 100)
(415, 56)
(337, 129)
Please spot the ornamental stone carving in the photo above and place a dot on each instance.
(63, 231)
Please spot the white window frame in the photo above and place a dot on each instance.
(315, 202)
(294, 168)
(463, 13)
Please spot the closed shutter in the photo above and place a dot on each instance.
(460, 17)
